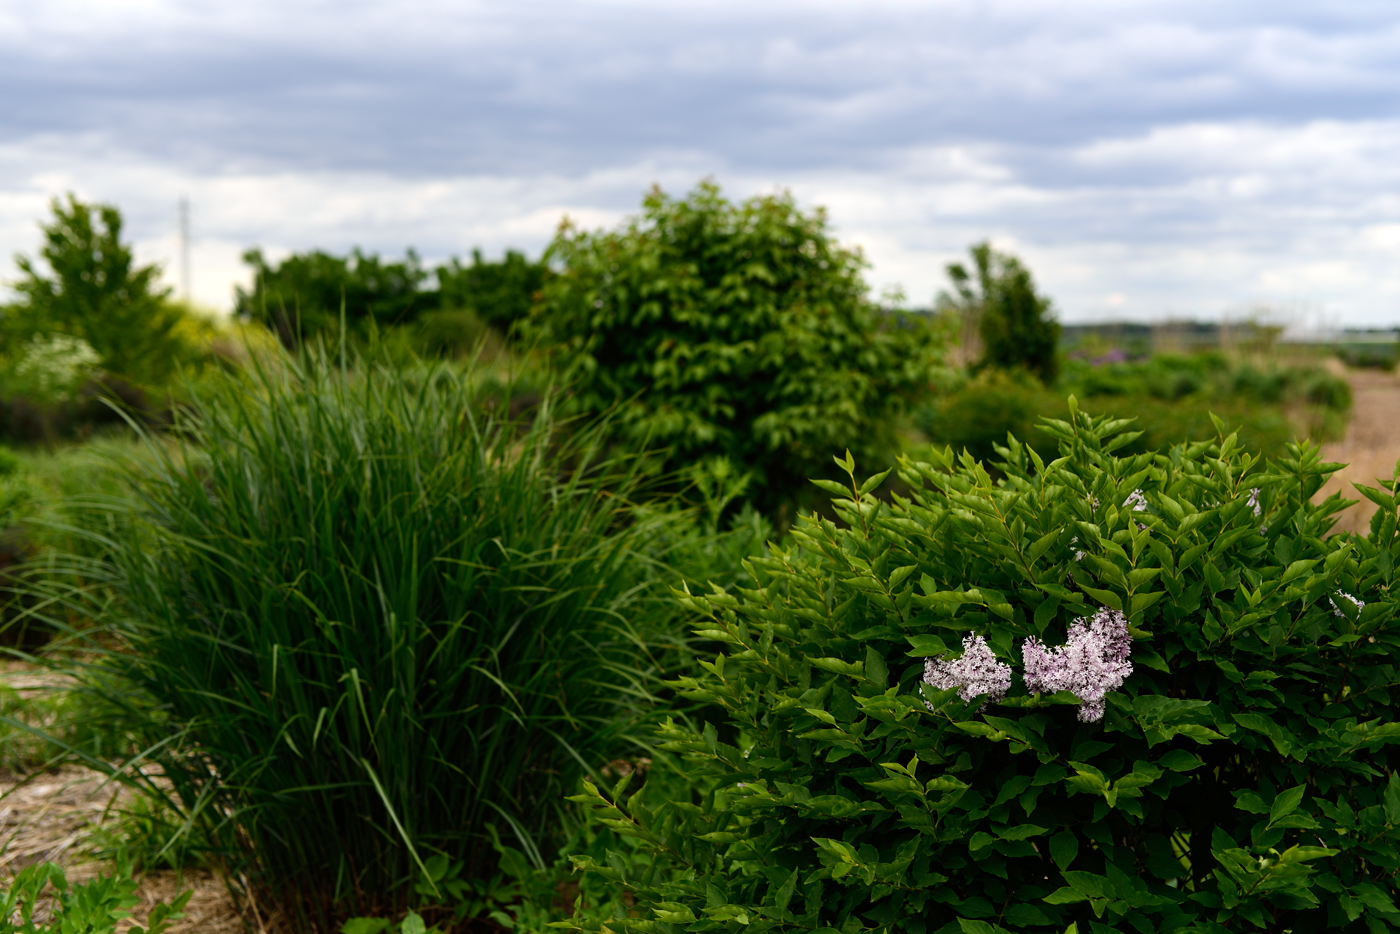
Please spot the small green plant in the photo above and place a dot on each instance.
(150, 835)
(94, 907)
(1103, 694)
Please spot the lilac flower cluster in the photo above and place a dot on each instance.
(977, 672)
(1092, 662)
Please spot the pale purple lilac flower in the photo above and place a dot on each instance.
(977, 672)
(1254, 501)
(1337, 611)
(1092, 662)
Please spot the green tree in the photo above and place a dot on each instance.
(740, 331)
(93, 290)
(998, 302)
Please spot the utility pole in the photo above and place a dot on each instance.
(185, 247)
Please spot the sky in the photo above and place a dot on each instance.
(1147, 160)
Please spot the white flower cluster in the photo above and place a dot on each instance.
(1092, 662)
(977, 672)
(51, 367)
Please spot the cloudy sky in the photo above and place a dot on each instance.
(1148, 159)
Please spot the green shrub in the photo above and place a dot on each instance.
(1241, 777)
(358, 616)
(732, 330)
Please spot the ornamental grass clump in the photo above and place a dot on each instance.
(357, 619)
(930, 717)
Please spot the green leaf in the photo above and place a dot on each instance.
(1064, 847)
(365, 926)
(1286, 803)
(839, 666)
(1065, 895)
(924, 646)
(413, 924)
(875, 669)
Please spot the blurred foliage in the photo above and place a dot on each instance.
(1171, 396)
(306, 294)
(740, 331)
(1369, 356)
(1014, 322)
(498, 293)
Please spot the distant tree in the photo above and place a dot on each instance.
(305, 294)
(736, 331)
(499, 293)
(94, 291)
(998, 301)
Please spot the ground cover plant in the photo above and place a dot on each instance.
(361, 619)
(1140, 693)
(740, 331)
(97, 906)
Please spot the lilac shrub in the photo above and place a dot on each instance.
(1174, 709)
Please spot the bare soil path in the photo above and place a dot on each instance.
(1371, 446)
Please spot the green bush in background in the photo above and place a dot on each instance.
(728, 330)
(998, 302)
(499, 293)
(861, 779)
(1173, 398)
(357, 618)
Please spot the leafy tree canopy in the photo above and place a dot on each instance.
(499, 293)
(729, 330)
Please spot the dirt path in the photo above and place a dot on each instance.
(1371, 446)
